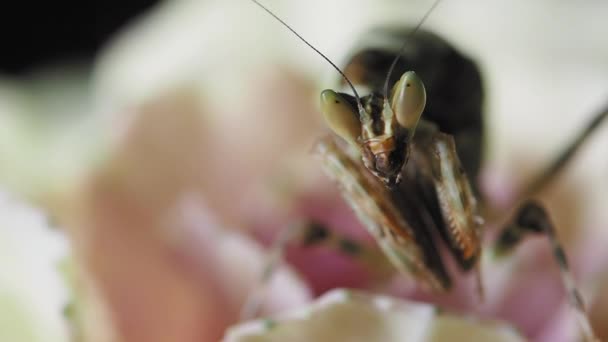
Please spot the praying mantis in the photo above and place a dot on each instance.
(405, 154)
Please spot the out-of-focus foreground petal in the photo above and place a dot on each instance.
(342, 315)
(168, 270)
(32, 292)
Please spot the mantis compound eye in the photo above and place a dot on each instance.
(408, 100)
(340, 116)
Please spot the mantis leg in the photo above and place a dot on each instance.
(562, 160)
(531, 218)
(308, 234)
(457, 204)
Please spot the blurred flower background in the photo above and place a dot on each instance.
(141, 187)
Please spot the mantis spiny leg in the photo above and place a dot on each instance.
(531, 218)
(308, 234)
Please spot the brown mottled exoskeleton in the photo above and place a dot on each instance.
(403, 156)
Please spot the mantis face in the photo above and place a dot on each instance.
(383, 128)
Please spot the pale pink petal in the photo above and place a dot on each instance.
(167, 274)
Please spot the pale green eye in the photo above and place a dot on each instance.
(340, 116)
(408, 100)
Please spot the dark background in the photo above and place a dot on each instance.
(34, 34)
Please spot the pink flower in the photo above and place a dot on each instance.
(166, 269)
(151, 232)
(210, 147)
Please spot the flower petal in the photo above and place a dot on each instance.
(343, 315)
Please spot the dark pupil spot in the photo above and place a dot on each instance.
(407, 84)
(337, 101)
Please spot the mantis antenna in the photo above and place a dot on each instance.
(362, 112)
(392, 67)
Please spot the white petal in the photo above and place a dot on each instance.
(343, 315)
(32, 291)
